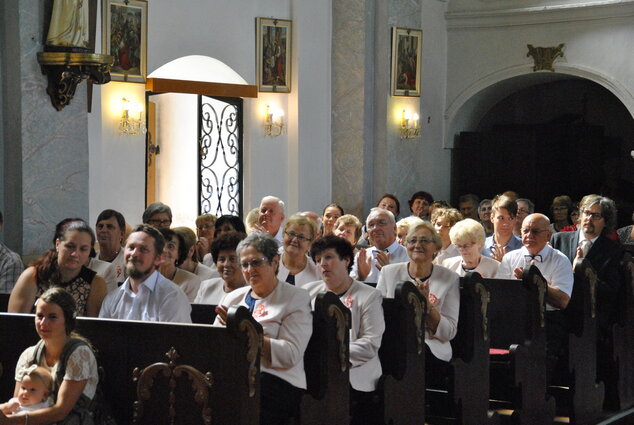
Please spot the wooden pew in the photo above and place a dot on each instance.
(203, 314)
(518, 380)
(616, 363)
(459, 402)
(578, 394)
(4, 302)
(326, 361)
(161, 373)
(402, 356)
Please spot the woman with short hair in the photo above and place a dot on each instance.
(223, 251)
(561, 208)
(348, 227)
(468, 237)
(296, 267)
(191, 263)
(334, 257)
(284, 312)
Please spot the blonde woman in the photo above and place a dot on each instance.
(468, 236)
(443, 220)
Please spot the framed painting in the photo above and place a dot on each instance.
(124, 27)
(273, 54)
(407, 49)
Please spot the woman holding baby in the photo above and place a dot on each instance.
(69, 360)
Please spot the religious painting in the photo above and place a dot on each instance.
(407, 48)
(273, 55)
(125, 37)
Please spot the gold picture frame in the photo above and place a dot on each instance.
(407, 49)
(124, 28)
(273, 54)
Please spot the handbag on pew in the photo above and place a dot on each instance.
(86, 411)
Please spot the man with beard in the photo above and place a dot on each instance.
(146, 294)
(598, 219)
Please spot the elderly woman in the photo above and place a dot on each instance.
(439, 285)
(334, 257)
(403, 225)
(468, 236)
(174, 254)
(76, 385)
(331, 213)
(223, 251)
(443, 220)
(191, 263)
(348, 227)
(561, 209)
(159, 215)
(284, 313)
(63, 266)
(296, 267)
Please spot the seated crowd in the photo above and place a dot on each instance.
(275, 267)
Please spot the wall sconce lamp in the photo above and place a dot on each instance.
(131, 121)
(273, 122)
(409, 125)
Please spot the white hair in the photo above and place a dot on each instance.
(270, 198)
(382, 211)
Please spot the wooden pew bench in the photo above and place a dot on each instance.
(616, 360)
(517, 324)
(465, 397)
(402, 356)
(327, 364)
(577, 393)
(211, 375)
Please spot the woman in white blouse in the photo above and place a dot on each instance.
(334, 256)
(223, 251)
(468, 236)
(439, 285)
(284, 312)
(296, 267)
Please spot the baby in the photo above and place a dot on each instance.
(35, 388)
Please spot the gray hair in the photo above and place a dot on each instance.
(264, 243)
(156, 208)
(483, 203)
(608, 210)
(382, 211)
(531, 205)
(274, 199)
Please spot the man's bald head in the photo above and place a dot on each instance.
(535, 232)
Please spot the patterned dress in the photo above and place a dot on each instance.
(79, 288)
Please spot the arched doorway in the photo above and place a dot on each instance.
(544, 135)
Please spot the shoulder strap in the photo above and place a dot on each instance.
(69, 348)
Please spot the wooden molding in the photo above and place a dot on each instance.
(163, 85)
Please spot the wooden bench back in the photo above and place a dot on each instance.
(151, 369)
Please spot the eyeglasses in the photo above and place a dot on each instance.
(299, 237)
(465, 246)
(594, 216)
(534, 232)
(156, 222)
(255, 263)
(423, 241)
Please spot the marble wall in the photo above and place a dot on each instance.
(48, 149)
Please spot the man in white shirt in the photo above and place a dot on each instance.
(146, 294)
(553, 264)
(381, 227)
(557, 271)
(110, 231)
(271, 216)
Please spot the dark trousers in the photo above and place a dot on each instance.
(556, 344)
(279, 400)
(366, 408)
(436, 371)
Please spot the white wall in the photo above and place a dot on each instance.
(288, 166)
